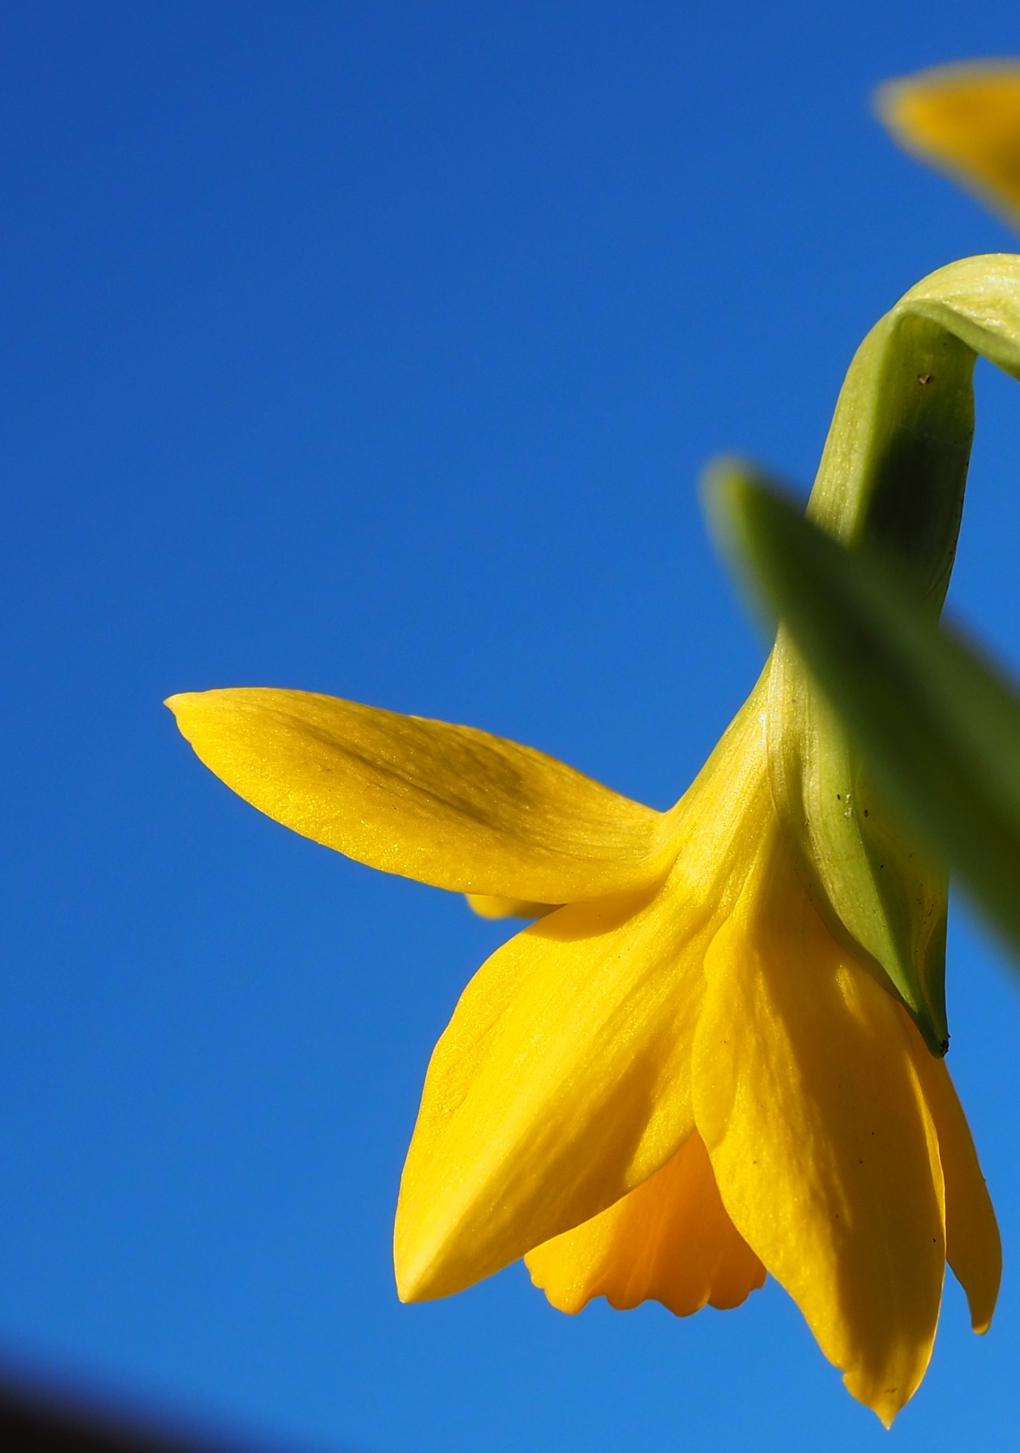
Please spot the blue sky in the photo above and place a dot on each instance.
(376, 349)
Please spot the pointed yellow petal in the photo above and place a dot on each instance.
(562, 1081)
(488, 906)
(973, 1247)
(446, 805)
(965, 120)
(806, 1095)
(668, 1241)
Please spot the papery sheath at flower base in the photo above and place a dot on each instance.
(718, 1052)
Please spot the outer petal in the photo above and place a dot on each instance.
(972, 1236)
(446, 805)
(562, 1082)
(670, 1240)
(825, 1155)
(488, 907)
(965, 119)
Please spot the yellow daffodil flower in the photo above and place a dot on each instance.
(717, 1053)
(965, 120)
(676, 1081)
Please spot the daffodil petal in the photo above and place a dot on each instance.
(486, 905)
(973, 1248)
(669, 1241)
(825, 1155)
(562, 1081)
(446, 805)
(964, 119)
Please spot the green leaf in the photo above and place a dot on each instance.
(937, 723)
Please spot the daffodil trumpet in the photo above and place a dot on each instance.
(717, 1053)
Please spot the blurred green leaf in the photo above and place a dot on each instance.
(939, 726)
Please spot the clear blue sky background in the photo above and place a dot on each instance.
(375, 348)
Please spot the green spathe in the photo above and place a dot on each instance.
(891, 484)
